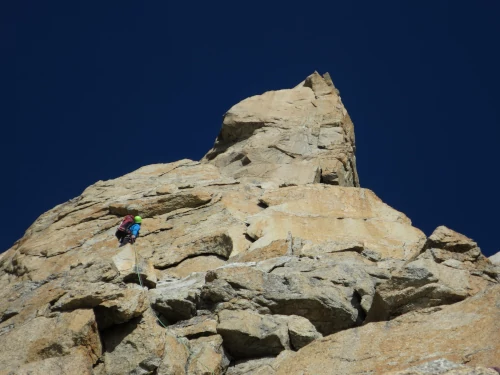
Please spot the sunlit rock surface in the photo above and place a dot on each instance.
(266, 257)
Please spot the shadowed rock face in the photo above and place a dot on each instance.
(465, 332)
(265, 257)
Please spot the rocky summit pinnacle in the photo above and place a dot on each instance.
(266, 257)
(289, 137)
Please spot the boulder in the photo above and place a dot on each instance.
(418, 285)
(447, 239)
(247, 334)
(455, 250)
(131, 265)
(113, 304)
(203, 325)
(178, 299)
(203, 355)
(218, 243)
(445, 244)
(207, 356)
(301, 332)
(175, 358)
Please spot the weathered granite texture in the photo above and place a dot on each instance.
(264, 258)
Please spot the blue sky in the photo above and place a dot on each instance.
(93, 90)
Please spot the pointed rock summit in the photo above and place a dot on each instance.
(266, 257)
(289, 137)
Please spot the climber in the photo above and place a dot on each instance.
(129, 229)
(134, 229)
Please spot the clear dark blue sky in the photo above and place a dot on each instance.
(93, 90)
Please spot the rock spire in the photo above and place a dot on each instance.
(289, 137)
(264, 258)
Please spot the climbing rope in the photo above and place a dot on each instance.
(142, 286)
(154, 312)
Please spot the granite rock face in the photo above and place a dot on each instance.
(289, 137)
(495, 259)
(444, 367)
(266, 257)
(328, 219)
(466, 332)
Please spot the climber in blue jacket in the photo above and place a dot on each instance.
(129, 233)
(135, 228)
